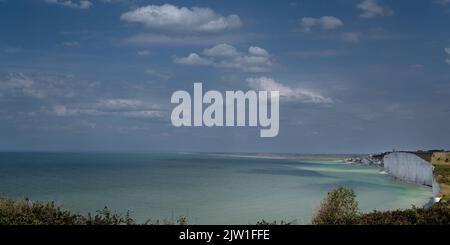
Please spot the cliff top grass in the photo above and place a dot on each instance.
(441, 158)
(441, 162)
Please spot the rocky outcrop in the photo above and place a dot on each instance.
(372, 159)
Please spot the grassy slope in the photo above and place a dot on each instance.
(441, 162)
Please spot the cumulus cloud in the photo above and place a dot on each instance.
(324, 22)
(193, 59)
(221, 50)
(83, 4)
(173, 19)
(257, 51)
(372, 9)
(223, 55)
(290, 94)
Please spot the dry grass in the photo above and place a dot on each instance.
(441, 162)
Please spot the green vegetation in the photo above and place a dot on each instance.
(338, 208)
(341, 208)
(265, 222)
(25, 212)
(438, 214)
(442, 173)
(441, 162)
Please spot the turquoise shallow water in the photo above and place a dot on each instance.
(208, 188)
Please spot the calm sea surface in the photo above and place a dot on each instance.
(207, 188)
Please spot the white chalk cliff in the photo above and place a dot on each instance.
(409, 167)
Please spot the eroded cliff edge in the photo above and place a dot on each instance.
(409, 167)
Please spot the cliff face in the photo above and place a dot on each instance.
(409, 167)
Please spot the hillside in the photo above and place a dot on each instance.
(441, 162)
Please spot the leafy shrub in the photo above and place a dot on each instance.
(25, 212)
(438, 214)
(265, 222)
(339, 207)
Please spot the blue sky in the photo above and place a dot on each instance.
(356, 76)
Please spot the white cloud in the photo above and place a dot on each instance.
(222, 50)
(372, 9)
(291, 94)
(83, 4)
(193, 59)
(118, 104)
(179, 39)
(324, 22)
(143, 52)
(170, 18)
(352, 37)
(226, 56)
(18, 84)
(109, 107)
(257, 51)
(38, 86)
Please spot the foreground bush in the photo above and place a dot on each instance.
(438, 214)
(25, 212)
(341, 208)
(338, 208)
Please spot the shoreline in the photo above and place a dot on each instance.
(403, 166)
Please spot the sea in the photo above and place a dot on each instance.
(207, 188)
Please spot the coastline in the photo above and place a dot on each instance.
(409, 167)
(155, 185)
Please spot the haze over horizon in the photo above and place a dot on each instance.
(355, 76)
